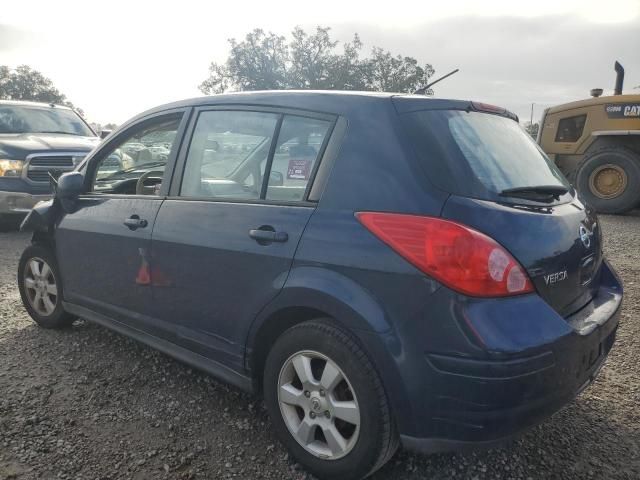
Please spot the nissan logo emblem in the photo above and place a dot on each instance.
(585, 236)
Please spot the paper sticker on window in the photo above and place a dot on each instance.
(299, 169)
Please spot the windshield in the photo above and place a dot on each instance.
(479, 155)
(21, 119)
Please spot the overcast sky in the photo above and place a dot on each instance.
(117, 61)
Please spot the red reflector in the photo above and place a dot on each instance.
(460, 257)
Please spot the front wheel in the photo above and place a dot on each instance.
(327, 402)
(41, 289)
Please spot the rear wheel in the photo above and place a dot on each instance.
(41, 289)
(609, 179)
(327, 402)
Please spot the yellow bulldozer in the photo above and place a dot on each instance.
(596, 144)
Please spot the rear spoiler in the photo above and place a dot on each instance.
(488, 108)
(415, 103)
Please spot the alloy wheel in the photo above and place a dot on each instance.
(40, 286)
(318, 405)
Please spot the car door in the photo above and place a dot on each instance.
(103, 246)
(224, 240)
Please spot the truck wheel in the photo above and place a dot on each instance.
(41, 288)
(327, 403)
(609, 179)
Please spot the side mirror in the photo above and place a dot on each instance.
(105, 133)
(276, 179)
(70, 185)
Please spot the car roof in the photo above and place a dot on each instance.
(338, 102)
(26, 103)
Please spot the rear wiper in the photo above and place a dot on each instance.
(541, 192)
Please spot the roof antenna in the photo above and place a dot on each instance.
(423, 90)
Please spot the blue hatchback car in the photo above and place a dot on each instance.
(385, 269)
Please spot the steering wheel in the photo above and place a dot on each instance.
(142, 189)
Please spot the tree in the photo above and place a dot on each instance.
(396, 73)
(257, 63)
(532, 129)
(24, 83)
(311, 61)
(352, 73)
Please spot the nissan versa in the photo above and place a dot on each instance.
(385, 269)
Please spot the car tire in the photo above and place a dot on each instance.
(623, 166)
(330, 442)
(40, 287)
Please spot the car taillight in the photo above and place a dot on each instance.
(460, 257)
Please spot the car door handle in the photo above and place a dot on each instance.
(134, 222)
(264, 236)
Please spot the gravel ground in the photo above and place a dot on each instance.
(87, 403)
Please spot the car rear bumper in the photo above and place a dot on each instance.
(19, 202)
(482, 402)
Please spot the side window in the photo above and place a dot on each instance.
(227, 154)
(136, 164)
(297, 151)
(570, 129)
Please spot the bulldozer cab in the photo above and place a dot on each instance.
(596, 144)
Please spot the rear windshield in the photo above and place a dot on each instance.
(478, 155)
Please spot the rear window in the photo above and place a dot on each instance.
(478, 155)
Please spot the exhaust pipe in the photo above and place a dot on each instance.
(619, 78)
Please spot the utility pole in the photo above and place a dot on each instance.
(531, 119)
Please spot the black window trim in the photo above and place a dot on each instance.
(270, 155)
(321, 151)
(139, 124)
(178, 173)
(330, 151)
